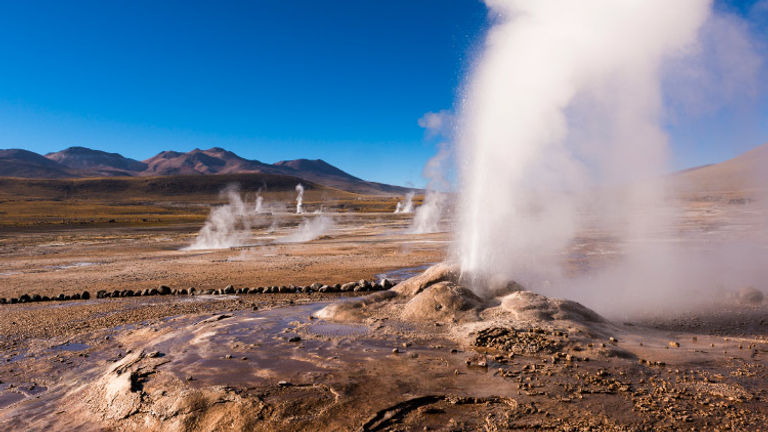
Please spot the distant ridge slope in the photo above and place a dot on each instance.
(212, 161)
(747, 171)
(80, 162)
(97, 162)
(24, 163)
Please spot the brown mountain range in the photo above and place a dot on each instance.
(81, 162)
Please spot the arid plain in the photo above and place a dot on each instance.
(275, 337)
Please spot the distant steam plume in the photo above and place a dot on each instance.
(309, 229)
(299, 198)
(407, 205)
(429, 215)
(227, 225)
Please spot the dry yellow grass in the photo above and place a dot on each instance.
(160, 200)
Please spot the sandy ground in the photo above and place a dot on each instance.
(266, 362)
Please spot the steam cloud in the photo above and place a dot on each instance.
(299, 198)
(228, 225)
(309, 229)
(430, 214)
(565, 100)
(407, 206)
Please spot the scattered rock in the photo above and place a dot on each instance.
(164, 290)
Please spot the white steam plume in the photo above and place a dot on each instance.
(299, 198)
(259, 207)
(429, 215)
(309, 229)
(227, 225)
(548, 70)
(407, 205)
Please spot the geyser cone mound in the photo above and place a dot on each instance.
(439, 294)
(443, 301)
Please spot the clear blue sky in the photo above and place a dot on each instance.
(341, 80)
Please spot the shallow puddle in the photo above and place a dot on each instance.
(71, 346)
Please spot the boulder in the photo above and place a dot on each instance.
(347, 287)
(164, 290)
(229, 289)
(85, 295)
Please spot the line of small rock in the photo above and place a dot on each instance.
(357, 286)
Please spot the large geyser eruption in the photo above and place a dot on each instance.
(565, 97)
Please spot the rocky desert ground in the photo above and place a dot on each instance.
(312, 336)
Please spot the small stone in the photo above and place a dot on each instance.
(284, 384)
(674, 344)
(395, 351)
(294, 339)
(228, 356)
